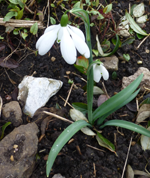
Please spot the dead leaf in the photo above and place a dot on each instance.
(145, 141)
(101, 99)
(10, 63)
(132, 107)
(141, 173)
(2, 46)
(143, 113)
(129, 172)
(40, 15)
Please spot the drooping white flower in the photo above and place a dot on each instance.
(100, 71)
(69, 37)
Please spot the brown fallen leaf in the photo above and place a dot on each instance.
(10, 63)
(101, 99)
(143, 113)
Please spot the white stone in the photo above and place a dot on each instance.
(35, 92)
(142, 19)
(139, 10)
(145, 81)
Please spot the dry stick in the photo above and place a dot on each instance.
(105, 90)
(79, 76)
(59, 117)
(95, 148)
(94, 170)
(67, 102)
(69, 94)
(126, 158)
(21, 23)
(143, 41)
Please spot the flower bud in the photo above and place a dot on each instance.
(64, 20)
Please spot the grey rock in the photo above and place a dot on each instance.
(58, 176)
(111, 63)
(12, 112)
(17, 152)
(145, 81)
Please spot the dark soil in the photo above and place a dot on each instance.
(71, 162)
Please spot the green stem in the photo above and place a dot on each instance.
(85, 17)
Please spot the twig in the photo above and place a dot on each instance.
(67, 102)
(105, 90)
(21, 23)
(126, 158)
(59, 117)
(69, 94)
(79, 76)
(95, 148)
(143, 41)
(94, 170)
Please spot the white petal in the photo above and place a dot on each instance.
(80, 44)
(96, 73)
(59, 35)
(52, 27)
(104, 72)
(46, 41)
(67, 47)
(77, 31)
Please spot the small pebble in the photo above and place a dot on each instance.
(147, 50)
(139, 62)
(53, 59)
(68, 72)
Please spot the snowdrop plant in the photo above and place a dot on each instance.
(104, 110)
(69, 37)
(99, 71)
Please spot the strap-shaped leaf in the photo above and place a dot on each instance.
(101, 120)
(117, 99)
(63, 138)
(134, 25)
(128, 125)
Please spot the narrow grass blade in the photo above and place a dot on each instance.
(63, 138)
(134, 25)
(127, 125)
(101, 119)
(3, 129)
(117, 99)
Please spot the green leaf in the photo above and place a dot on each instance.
(129, 40)
(21, 4)
(95, 12)
(34, 29)
(146, 101)
(80, 106)
(52, 20)
(114, 75)
(139, 36)
(3, 129)
(24, 35)
(102, 141)
(14, 1)
(108, 8)
(115, 48)
(101, 119)
(134, 25)
(15, 31)
(95, 51)
(1, 38)
(9, 15)
(117, 99)
(105, 45)
(63, 138)
(126, 57)
(20, 14)
(82, 61)
(127, 125)
(80, 69)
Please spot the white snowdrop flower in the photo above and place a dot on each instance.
(69, 37)
(100, 71)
